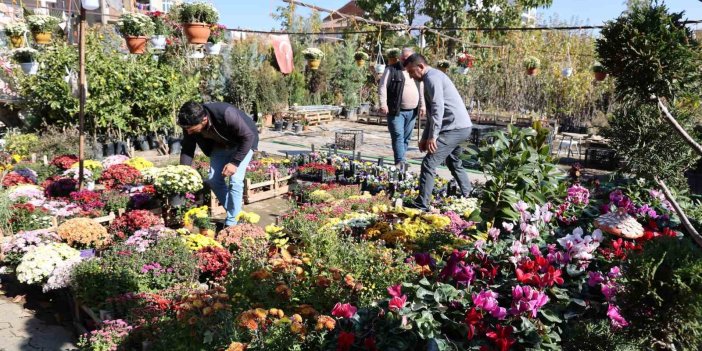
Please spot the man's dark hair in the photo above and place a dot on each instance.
(415, 59)
(191, 113)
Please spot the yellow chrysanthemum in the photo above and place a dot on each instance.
(197, 212)
(197, 241)
(248, 217)
(139, 163)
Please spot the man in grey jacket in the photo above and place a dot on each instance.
(448, 125)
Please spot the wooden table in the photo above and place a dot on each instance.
(571, 139)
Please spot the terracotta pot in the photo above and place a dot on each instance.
(197, 33)
(136, 45)
(314, 64)
(532, 71)
(360, 63)
(17, 41)
(305, 127)
(43, 38)
(600, 76)
(268, 120)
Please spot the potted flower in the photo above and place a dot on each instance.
(393, 55)
(161, 30)
(443, 65)
(16, 32)
(465, 60)
(532, 64)
(361, 58)
(305, 124)
(197, 19)
(136, 28)
(41, 27)
(173, 182)
(218, 35)
(314, 57)
(26, 59)
(599, 71)
(203, 221)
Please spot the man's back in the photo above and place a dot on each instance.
(441, 93)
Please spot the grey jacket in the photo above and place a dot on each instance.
(445, 107)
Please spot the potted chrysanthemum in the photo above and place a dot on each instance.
(532, 64)
(26, 58)
(361, 58)
(600, 71)
(314, 57)
(16, 32)
(42, 26)
(161, 30)
(173, 182)
(136, 29)
(218, 35)
(197, 19)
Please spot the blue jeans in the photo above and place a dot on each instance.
(401, 127)
(230, 196)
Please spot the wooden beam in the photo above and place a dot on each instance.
(678, 128)
(696, 237)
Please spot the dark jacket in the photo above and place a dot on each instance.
(232, 124)
(395, 86)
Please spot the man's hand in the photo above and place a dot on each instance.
(422, 113)
(229, 170)
(423, 145)
(431, 146)
(383, 110)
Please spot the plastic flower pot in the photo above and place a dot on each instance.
(120, 148)
(176, 200)
(153, 141)
(360, 63)
(109, 149)
(17, 41)
(213, 48)
(197, 33)
(158, 42)
(98, 151)
(30, 67)
(142, 143)
(600, 76)
(379, 68)
(42, 38)
(278, 126)
(174, 145)
(297, 128)
(314, 64)
(285, 125)
(532, 71)
(136, 45)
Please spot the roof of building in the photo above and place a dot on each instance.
(351, 8)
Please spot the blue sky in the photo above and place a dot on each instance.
(255, 14)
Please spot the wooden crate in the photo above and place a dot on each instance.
(276, 186)
(316, 117)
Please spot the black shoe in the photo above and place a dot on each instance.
(219, 226)
(416, 205)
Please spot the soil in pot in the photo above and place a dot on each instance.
(197, 33)
(600, 76)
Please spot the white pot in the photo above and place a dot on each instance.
(567, 72)
(158, 42)
(213, 48)
(196, 55)
(379, 68)
(30, 67)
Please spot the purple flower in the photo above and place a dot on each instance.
(494, 233)
(594, 278)
(464, 274)
(486, 300)
(424, 259)
(616, 318)
(499, 313)
(527, 299)
(609, 290)
(89, 253)
(614, 272)
(479, 246)
(451, 268)
(578, 195)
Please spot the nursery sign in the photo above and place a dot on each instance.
(283, 52)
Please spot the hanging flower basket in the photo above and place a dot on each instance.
(213, 48)
(26, 57)
(379, 68)
(218, 35)
(16, 32)
(17, 41)
(136, 45)
(361, 58)
(41, 27)
(158, 42)
(314, 57)
(30, 67)
(532, 64)
(42, 38)
(443, 65)
(465, 59)
(197, 33)
(599, 71)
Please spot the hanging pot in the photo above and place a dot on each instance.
(532, 71)
(136, 45)
(17, 41)
(213, 48)
(314, 64)
(197, 33)
(443, 69)
(600, 76)
(360, 63)
(30, 67)
(42, 38)
(567, 72)
(158, 42)
(379, 68)
(176, 200)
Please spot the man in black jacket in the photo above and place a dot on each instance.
(228, 136)
(401, 98)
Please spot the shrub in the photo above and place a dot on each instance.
(84, 232)
(663, 295)
(136, 25)
(20, 144)
(42, 23)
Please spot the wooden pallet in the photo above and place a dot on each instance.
(274, 187)
(315, 118)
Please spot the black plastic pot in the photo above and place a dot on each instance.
(278, 126)
(98, 151)
(174, 145)
(152, 141)
(109, 149)
(297, 128)
(120, 148)
(142, 144)
(285, 125)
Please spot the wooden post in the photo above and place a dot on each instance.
(81, 112)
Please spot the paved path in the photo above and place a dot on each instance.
(22, 330)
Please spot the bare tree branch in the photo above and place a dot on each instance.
(683, 133)
(683, 218)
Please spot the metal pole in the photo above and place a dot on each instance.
(81, 113)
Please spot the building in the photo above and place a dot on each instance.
(337, 23)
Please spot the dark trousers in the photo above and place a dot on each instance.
(449, 150)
